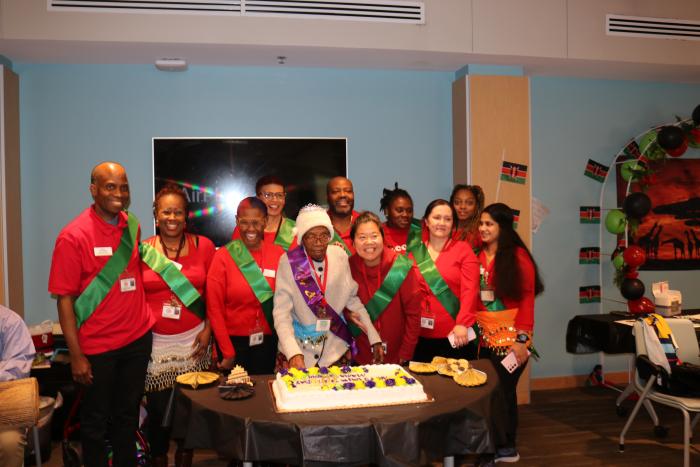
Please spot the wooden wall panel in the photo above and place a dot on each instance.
(11, 198)
(499, 128)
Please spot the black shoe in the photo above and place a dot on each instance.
(507, 455)
(485, 460)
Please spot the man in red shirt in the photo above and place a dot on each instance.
(341, 201)
(96, 278)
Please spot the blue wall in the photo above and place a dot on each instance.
(574, 120)
(399, 128)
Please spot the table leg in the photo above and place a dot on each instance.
(625, 394)
(448, 461)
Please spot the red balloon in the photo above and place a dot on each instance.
(680, 150)
(634, 256)
(642, 305)
(631, 274)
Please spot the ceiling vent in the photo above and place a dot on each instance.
(395, 11)
(659, 28)
(148, 6)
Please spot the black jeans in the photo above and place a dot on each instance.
(158, 435)
(509, 383)
(110, 406)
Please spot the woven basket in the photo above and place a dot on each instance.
(19, 403)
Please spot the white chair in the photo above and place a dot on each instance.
(688, 351)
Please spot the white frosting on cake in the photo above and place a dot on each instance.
(346, 387)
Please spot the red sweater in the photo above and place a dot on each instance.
(525, 319)
(399, 323)
(395, 239)
(473, 238)
(459, 268)
(232, 307)
(194, 267)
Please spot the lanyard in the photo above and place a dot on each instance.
(321, 283)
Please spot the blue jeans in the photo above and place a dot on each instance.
(110, 406)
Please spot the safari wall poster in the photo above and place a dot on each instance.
(670, 232)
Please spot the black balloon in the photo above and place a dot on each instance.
(636, 205)
(670, 137)
(632, 289)
(696, 115)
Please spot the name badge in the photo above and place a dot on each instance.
(103, 250)
(171, 311)
(323, 325)
(256, 338)
(487, 295)
(426, 322)
(269, 273)
(177, 265)
(128, 284)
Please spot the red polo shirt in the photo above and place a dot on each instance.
(81, 251)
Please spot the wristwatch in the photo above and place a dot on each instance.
(522, 338)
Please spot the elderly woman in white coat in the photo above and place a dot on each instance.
(314, 287)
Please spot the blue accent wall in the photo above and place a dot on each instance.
(574, 120)
(398, 126)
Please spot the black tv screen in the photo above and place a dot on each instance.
(217, 173)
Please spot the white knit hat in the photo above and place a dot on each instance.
(310, 216)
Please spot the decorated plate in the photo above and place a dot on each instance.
(197, 378)
(422, 367)
(471, 378)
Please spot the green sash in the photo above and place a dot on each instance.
(415, 234)
(254, 276)
(437, 284)
(176, 280)
(387, 291)
(336, 239)
(102, 283)
(285, 236)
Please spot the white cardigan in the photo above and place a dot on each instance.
(341, 292)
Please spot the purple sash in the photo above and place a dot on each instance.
(313, 296)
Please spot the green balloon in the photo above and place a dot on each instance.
(647, 141)
(631, 170)
(618, 261)
(615, 221)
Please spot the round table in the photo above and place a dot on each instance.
(459, 421)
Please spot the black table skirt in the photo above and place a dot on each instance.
(600, 333)
(460, 420)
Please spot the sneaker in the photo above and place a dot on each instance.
(507, 455)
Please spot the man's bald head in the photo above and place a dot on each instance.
(109, 188)
(341, 196)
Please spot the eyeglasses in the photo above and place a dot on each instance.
(269, 195)
(313, 238)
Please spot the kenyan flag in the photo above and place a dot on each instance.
(512, 172)
(632, 150)
(589, 214)
(516, 217)
(589, 255)
(589, 294)
(596, 170)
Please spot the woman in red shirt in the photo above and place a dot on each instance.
(181, 333)
(450, 274)
(468, 202)
(240, 286)
(397, 317)
(397, 206)
(509, 283)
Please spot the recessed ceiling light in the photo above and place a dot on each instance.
(281, 59)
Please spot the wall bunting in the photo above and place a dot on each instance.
(589, 294)
(589, 255)
(589, 214)
(596, 170)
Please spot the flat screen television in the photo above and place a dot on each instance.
(217, 173)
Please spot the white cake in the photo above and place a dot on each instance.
(345, 387)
